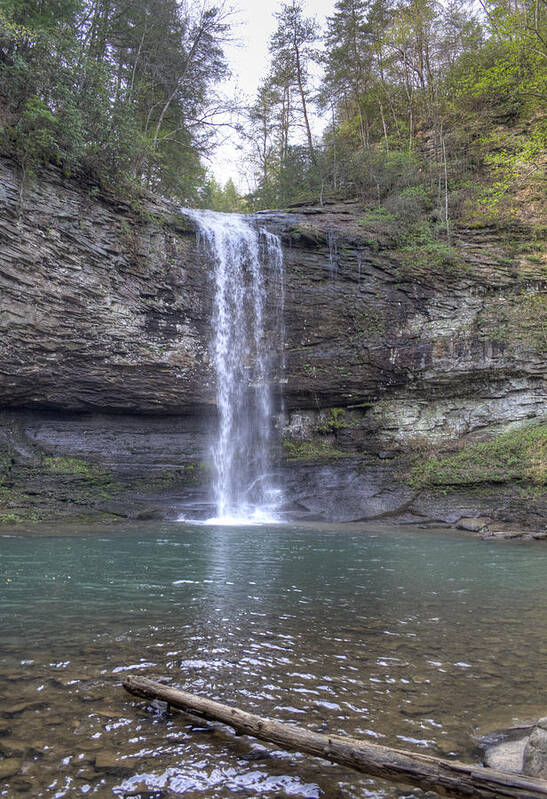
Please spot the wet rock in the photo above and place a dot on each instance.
(88, 774)
(448, 748)
(148, 513)
(419, 707)
(106, 713)
(535, 751)
(128, 510)
(20, 784)
(203, 729)
(91, 696)
(473, 525)
(517, 749)
(9, 767)
(503, 535)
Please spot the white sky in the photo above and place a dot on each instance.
(253, 24)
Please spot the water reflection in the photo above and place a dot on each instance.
(407, 638)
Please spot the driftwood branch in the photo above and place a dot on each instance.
(446, 777)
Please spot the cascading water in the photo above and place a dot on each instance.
(245, 356)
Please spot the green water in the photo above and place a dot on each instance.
(410, 638)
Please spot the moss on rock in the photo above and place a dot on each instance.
(312, 449)
(516, 455)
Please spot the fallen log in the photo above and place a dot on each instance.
(446, 777)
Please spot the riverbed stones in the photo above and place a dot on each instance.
(9, 767)
(13, 747)
(22, 707)
(535, 751)
(143, 791)
(110, 762)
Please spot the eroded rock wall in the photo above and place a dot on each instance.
(101, 307)
(104, 331)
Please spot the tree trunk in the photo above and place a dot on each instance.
(446, 777)
(304, 106)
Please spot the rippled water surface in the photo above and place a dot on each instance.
(410, 638)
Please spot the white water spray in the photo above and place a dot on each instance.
(245, 357)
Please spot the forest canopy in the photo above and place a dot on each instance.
(120, 91)
(424, 100)
(427, 102)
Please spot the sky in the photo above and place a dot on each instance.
(253, 24)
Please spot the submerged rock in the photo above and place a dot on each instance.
(110, 762)
(9, 767)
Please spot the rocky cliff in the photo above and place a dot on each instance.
(412, 388)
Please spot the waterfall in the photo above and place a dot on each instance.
(245, 357)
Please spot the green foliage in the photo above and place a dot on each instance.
(219, 198)
(436, 115)
(513, 166)
(111, 90)
(516, 455)
(377, 215)
(507, 75)
(419, 248)
(409, 204)
(65, 465)
(10, 518)
(420, 243)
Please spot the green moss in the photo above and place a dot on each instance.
(312, 449)
(517, 455)
(67, 487)
(5, 461)
(61, 465)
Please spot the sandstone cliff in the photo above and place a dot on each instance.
(405, 384)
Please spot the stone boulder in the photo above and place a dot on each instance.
(535, 751)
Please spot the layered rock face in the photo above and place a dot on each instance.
(102, 308)
(107, 389)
